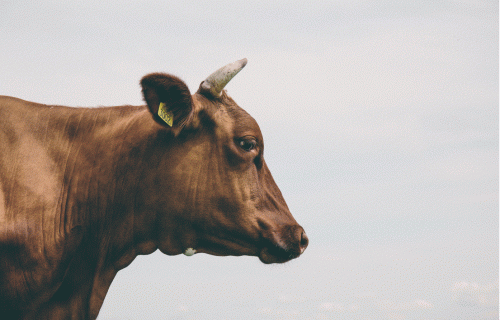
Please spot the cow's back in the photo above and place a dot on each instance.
(28, 175)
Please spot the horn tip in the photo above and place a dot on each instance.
(243, 62)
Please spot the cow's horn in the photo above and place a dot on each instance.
(218, 80)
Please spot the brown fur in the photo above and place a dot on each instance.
(161, 87)
(84, 191)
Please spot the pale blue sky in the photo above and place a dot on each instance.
(381, 128)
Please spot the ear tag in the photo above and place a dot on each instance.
(166, 115)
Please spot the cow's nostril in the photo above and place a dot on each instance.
(304, 241)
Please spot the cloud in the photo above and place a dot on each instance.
(332, 307)
(474, 294)
(278, 312)
(289, 298)
(338, 307)
(182, 308)
(390, 305)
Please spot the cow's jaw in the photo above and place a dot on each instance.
(274, 247)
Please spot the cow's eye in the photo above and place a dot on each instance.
(247, 144)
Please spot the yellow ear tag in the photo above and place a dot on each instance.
(166, 115)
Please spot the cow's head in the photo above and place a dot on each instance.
(213, 191)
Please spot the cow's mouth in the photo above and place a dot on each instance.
(268, 255)
(276, 255)
(281, 250)
(273, 249)
(279, 254)
(225, 247)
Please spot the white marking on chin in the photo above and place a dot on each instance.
(189, 252)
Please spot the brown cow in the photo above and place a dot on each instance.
(83, 191)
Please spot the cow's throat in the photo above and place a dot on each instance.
(189, 252)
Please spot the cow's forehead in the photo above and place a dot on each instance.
(226, 112)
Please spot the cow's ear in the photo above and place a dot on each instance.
(168, 99)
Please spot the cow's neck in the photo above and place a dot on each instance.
(110, 155)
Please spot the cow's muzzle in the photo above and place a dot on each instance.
(285, 245)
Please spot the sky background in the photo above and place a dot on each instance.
(381, 127)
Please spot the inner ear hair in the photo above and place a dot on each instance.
(165, 88)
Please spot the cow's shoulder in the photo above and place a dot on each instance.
(37, 241)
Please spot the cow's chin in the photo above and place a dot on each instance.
(267, 255)
(276, 255)
(221, 247)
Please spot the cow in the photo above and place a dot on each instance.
(83, 191)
